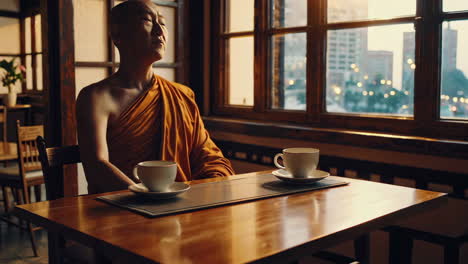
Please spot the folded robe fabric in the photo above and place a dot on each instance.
(164, 123)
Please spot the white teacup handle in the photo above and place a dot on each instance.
(135, 173)
(275, 160)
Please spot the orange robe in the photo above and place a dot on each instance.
(164, 123)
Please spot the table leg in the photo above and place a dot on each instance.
(32, 237)
(56, 244)
(362, 249)
(6, 199)
(37, 192)
(28, 117)
(401, 247)
(452, 253)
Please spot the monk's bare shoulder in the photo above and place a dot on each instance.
(96, 97)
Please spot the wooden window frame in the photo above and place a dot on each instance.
(112, 65)
(425, 122)
(34, 53)
(27, 10)
(19, 16)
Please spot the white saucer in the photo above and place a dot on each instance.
(173, 190)
(315, 176)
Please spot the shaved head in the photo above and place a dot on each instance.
(123, 12)
(138, 30)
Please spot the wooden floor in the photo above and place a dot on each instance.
(15, 246)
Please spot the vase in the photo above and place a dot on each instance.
(10, 99)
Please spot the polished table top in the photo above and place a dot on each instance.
(8, 151)
(262, 230)
(18, 106)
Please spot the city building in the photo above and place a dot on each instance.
(380, 65)
(347, 49)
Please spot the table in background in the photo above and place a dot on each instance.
(8, 151)
(270, 230)
(26, 108)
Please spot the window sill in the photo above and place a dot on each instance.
(366, 139)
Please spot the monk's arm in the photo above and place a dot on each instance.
(92, 119)
(206, 158)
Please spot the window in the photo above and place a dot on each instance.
(10, 46)
(238, 38)
(401, 67)
(31, 54)
(454, 66)
(372, 81)
(24, 42)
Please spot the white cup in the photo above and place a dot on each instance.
(156, 175)
(299, 162)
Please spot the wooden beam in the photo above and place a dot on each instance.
(23, 50)
(196, 50)
(181, 42)
(5, 13)
(10, 55)
(110, 45)
(206, 60)
(33, 50)
(59, 80)
(30, 7)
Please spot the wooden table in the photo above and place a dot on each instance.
(18, 107)
(8, 151)
(26, 108)
(277, 229)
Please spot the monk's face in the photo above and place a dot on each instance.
(144, 34)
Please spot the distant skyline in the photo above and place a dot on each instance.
(391, 39)
(382, 9)
(379, 38)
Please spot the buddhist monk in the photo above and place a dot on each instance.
(135, 115)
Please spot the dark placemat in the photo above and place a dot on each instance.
(213, 194)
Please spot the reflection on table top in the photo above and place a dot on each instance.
(266, 230)
(17, 106)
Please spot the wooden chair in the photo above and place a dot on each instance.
(7, 149)
(52, 161)
(7, 153)
(447, 227)
(28, 172)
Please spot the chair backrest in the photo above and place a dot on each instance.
(52, 161)
(28, 156)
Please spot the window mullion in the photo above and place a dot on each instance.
(427, 74)
(33, 50)
(222, 81)
(316, 34)
(23, 49)
(110, 46)
(261, 49)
